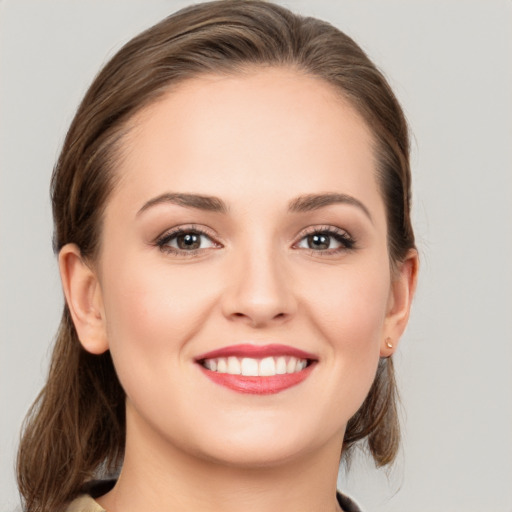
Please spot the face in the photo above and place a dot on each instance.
(244, 274)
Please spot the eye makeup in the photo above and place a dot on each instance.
(188, 240)
(325, 240)
(192, 240)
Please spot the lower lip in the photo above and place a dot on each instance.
(259, 385)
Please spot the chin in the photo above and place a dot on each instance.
(266, 443)
(253, 455)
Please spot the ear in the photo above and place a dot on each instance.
(403, 286)
(83, 296)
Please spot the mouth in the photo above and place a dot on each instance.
(251, 367)
(255, 369)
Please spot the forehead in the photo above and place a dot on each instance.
(263, 131)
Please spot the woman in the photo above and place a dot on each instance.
(232, 219)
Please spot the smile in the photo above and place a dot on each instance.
(257, 369)
(250, 367)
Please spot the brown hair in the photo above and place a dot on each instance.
(75, 430)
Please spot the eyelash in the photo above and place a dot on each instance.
(163, 241)
(341, 236)
(346, 241)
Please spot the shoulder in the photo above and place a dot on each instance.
(90, 491)
(84, 503)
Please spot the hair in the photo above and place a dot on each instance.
(75, 431)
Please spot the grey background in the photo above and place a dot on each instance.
(450, 65)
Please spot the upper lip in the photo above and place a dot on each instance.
(256, 352)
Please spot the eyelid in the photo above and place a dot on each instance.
(322, 228)
(161, 239)
(340, 234)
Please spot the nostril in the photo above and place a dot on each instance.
(257, 319)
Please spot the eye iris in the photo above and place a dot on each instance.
(319, 241)
(189, 241)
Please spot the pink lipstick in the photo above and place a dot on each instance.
(257, 369)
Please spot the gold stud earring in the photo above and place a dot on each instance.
(388, 343)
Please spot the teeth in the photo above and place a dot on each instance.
(222, 365)
(281, 366)
(267, 366)
(249, 367)
(211, 364)
(234, 366)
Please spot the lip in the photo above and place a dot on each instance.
(258, 385)
(257, 352)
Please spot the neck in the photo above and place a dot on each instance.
(157, 475)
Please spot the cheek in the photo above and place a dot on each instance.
(350, 305)
(152, 312)
(349, 310)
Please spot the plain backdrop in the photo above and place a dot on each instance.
(450, 63)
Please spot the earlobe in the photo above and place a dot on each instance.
(402, 291)
(84, 299)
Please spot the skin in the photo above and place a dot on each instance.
(257, 141)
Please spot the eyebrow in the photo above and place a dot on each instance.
(207, 203)
(312, 202)
(301, 204)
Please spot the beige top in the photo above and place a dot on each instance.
(85, 503)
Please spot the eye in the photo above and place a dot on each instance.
(185, 240)
(329, 240)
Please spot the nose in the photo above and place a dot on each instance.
(259, 290)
